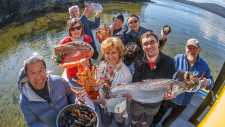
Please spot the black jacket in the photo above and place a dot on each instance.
(165, 68)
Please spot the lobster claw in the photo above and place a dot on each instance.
(73, 64)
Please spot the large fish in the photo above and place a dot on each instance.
(153, 90)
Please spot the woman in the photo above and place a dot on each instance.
(76, 33)
(119, 27)
(113, 69)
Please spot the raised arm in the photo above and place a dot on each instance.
(93, 23)
(207, 82)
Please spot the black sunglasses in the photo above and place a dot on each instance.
(135, 21)
(77, 28)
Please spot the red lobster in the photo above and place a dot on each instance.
(103, 33)
(87, 78)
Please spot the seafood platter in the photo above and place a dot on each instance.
(103, 33)
(72, 54)
(76, 115)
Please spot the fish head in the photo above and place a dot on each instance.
(190, 80)
(177, 88)
(179, 75)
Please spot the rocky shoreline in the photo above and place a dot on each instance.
(18, 10)
(214, 8)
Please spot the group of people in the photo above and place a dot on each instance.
(42, 96)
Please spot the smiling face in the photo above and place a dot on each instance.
(150, 46)
(36, 73)
(117, 23)
(134, 24)
(192, 53)
(112, 56)
(76, 31)
(75, 13)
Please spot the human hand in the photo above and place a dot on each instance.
(163, 36)
(109, 72)
(127, 96)
(108, 82)
(121, 84)
(98, 100)
(88, 8)
(127, 50)
(169, 96)
(80, 101)
(97, 15)
(204, 82)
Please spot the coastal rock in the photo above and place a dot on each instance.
(214, 8)
(12, 10)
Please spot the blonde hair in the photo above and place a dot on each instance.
(111, 42)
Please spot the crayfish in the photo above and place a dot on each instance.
(87, 78)
(103, 33)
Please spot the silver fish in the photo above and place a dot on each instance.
(152, 90)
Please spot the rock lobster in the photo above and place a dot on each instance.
(74, 54)
(87, 78)
(103, 33)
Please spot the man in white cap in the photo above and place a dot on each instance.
(190, 61)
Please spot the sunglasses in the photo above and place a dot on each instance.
(152, 42)
(77, 28)
(135, 21)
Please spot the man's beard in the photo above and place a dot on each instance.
(190, 58)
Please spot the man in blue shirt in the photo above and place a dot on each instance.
(88, 24)
(190, 61)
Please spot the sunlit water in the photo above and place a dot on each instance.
(186, 22)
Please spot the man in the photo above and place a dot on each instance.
(42, 97)
(190, 61)
(119, 27)
(134, 36)
(153, 64)
(87, 23)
